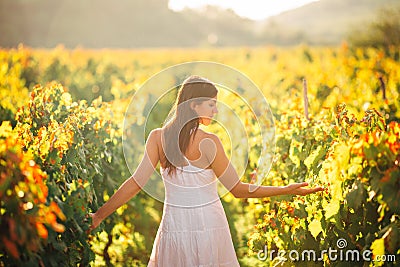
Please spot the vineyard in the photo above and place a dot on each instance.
(61, 133)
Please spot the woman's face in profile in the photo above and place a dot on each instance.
(206, 110)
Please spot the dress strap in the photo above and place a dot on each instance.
(187, 160)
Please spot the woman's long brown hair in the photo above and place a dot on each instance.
(185, 122)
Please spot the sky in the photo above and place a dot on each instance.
(252, 9)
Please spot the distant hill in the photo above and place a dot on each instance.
(149, 23)
(326, 21)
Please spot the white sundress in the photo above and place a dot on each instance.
(194, 230)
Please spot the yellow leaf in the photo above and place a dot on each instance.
(315, 228)
(6, 129)
(378, 249)
(331, 209)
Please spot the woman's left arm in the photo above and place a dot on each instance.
(132, 185)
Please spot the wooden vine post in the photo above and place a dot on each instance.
(383, 87)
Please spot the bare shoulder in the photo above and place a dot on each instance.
(203, 134)
(209, 143)
(213, 149)
(156, 132)
(210, 136)
(155, 136)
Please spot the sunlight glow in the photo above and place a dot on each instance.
(252, 9)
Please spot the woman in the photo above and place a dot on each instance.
(194, 230)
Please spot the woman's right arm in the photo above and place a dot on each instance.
(132, 185)
(228, 176)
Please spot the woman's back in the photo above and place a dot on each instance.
(200, 151)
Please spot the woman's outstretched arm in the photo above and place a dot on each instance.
(229, 178)
(132, 185)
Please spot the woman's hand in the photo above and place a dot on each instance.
(95, 221)
(298, 189)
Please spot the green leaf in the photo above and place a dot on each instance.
(356, 197)
(391, 238)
